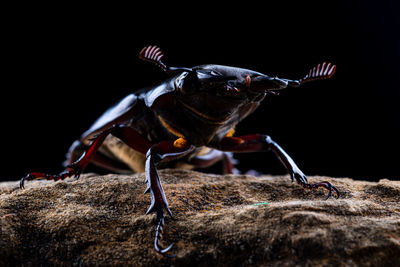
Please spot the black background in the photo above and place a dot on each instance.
(64, 65)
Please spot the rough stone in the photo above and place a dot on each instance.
(219, 220)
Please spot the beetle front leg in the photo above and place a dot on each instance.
(258, 142)
(158, 153)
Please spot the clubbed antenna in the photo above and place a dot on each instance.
(154, 55)
(324, 71)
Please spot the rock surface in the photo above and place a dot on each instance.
(219, 220)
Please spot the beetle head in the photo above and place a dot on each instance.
(226, 81)
(215, 79)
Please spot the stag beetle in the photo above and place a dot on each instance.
(186, 121)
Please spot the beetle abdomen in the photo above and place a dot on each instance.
(132, 158)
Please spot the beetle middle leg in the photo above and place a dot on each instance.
(258, 142)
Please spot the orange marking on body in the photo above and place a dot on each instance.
(230, 133)
(170, 128)
(180, 143)
(197, 112)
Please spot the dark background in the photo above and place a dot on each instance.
(64, 65)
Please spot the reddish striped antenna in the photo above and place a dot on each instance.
(154, 55)
(324, 71)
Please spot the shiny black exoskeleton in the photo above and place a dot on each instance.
(187, 121)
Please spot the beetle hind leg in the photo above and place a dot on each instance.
(213, 156)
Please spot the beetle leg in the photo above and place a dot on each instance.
(99, 159)
(45, 176)
(128, 135)
(212, 157)
(228, 164)
(159, 153)
(258, 142)
(159, 219)
(123, 132)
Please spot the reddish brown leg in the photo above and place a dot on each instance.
(212, 157)
(161, 152)
(228, 164)
(99, 159)
(123, 132)
(258, 142)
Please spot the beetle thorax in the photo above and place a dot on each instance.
(204, 118)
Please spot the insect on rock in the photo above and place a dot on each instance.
(186, 121)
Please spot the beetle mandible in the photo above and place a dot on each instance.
(186, 121)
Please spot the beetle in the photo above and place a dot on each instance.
(186, 121)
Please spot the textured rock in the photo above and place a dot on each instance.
(100, 220)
